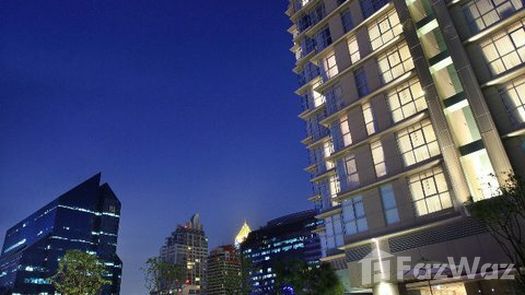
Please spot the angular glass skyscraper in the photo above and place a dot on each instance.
(85, 218)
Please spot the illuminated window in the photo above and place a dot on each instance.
(354, 217)
(346, 136)
(353, 48)
(330, 66)
(513, 95)
(378, 157)
(417, 143)
(328, 148)
(335, 186)
(406, 100)
(480, 175)
(369, 118)
(429, 191)
(350, 167)
(505, 50)
(395, 62)
(481, 14)
(388, 199)
(318, 98)
(384, 29)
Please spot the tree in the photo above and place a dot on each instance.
(295, 277)
(504, 216)
(162, 277)
(79, 273)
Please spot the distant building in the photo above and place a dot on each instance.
(287, 237)
(86, 218)
(188, 247)
(243, 234)
(224, 271)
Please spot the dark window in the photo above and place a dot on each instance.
(370, 6)
(346, 18)
(360, 82)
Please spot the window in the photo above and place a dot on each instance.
(513, 95)
(334, 97)
(354, 217)
(318, 98)
(353, 48)
(384, 29)
(346, 19)
(395, 63)
(310, 71)
(417, 143)
(346, 136)
(334, 231)
(406, 100)
(369, 118)
(328, 149)
(360, 82)
(481, 14)
(370, 6)
(429, 191)
(350, 166)
(388, 199)
(505, 50)
(323, 39)
(378, 156)
(335, 186)
(480, 175)
(330, 66)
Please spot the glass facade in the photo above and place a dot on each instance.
(86, 218)
(287, 237)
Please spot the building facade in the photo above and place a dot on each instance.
(287, 237)
(188, 247)
(412, 108)
(224, 271)
(85, 218)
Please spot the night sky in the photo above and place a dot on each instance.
(184, 106)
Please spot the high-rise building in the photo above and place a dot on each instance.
(188, 247)
(412, 107)
(224, 271)
(287, 237)
(85, 218)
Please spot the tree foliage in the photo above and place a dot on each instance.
(295, 277)
(504, 216)
(79, 273)
(162, 277)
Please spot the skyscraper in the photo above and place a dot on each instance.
(286, 237)
(188, 247)
(243, 234)
(412, 107)
(224, 271)
(85, 218)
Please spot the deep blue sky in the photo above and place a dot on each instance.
(184, 106)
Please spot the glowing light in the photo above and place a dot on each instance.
(243, 234)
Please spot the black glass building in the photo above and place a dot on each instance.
(85, 218)
(287, 237)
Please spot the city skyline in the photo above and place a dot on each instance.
(95, 87)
